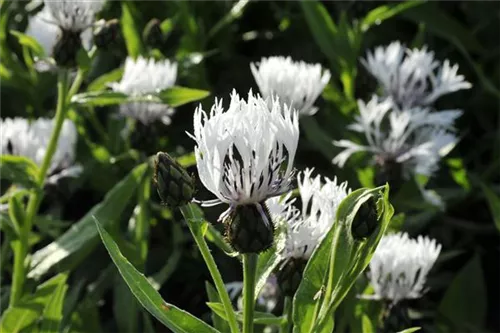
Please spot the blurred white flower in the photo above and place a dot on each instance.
(399, 267)
(412, 77)
(297, 84)
(268, 296)
(308, 226)
(143, 77)
(30, 139)
(75, 16)
(416, 138)
(245, 154)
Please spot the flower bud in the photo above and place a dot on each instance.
(366, 220)
(249, 228)
(152, 34)
(106, 33)
(174, 185)
(66, 48)
(290, 275)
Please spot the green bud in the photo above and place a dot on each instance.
(66, 49)
(366, 220)
(247, 231)
(290, 275)
(174, 185)
(106, 33)
(152, 34)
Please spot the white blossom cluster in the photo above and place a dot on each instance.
(143, 77)
(30, 139)
(400, 265)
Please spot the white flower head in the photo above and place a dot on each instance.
(417, 138)
(413, 77)
(143, 77)
(400, 265)
(30, 139)
(308, 226)
(297, 84)
(73, 15)
(245, 154)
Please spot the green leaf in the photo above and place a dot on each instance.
(19, 170)
(494, 203)
(99, 98)
(458, 172)
(102, 81)
(219, 322)
(325, 282)
(384, 12)
(322, 27)
(29, 42)
(367, 324)
(174, 318)
(16, 213)
(130, 31)
(464, 303)
(260, 318)
(177, 96)
(24, 316)
(52, 314)
(83, 60)
(319, 139)
(410, 330)
(82, 238)
(236, 11)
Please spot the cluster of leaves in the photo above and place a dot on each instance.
(74, 283)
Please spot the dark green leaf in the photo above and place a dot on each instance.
(82, 238)
(260, 318)
(464, 303)
(177, 96)
(384, 12)
(52, 314)
(19, 170)
(175, 319)
(494, 203)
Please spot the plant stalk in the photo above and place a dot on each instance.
(212, 268)
(249, 270)
(286, 327)
(20, 246)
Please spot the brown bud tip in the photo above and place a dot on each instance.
(106, 33)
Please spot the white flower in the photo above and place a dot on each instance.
(245, 154)
(297, 84)
(30, 139)
(399, 267)
(417, 138)
(142, 77)
(412, 77)
(75, 16)
(307, 227)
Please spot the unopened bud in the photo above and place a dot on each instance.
(366, 220)
(174, 185)
(249, 228)
(152, 34)
(106, 33)
(66, 49)
(290, 275)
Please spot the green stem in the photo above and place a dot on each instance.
(212, 267)
(249, 270)
(286, 326)
(35, 198)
